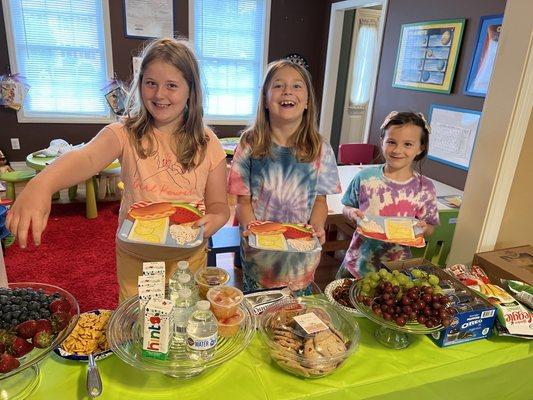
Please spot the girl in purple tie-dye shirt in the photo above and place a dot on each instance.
(282, 171)
(394, 189)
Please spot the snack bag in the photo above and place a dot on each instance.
(468, 275)
(521, 291)
(13, 90)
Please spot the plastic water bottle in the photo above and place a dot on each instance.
(184, 306)
(174, 283)
(202, 332)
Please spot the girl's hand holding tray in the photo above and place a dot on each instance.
(399, 230)
(295, 238)
(163, 224)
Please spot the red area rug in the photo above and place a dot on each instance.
(77, 254)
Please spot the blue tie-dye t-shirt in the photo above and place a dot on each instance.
(374, 194)
(282, 190)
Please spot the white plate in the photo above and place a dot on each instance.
(328, 291)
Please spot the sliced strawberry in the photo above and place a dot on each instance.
(59, 321)
(19, 347)
(42, 339)
(8, 363)
(26, 329)
(59, 305)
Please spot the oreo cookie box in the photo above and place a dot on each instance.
(475, 316)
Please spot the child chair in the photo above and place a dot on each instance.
(356, 153)
(107, 182)
(12, 177)
(439, 243)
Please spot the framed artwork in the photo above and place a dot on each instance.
(427, 55)
(453, 135)
(488, 37)
(148, 18)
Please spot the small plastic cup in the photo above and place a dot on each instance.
(229, 327)
(224, 300)
(209, 277)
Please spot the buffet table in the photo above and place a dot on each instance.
(497, 368)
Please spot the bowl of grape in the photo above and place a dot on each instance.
(401, 303)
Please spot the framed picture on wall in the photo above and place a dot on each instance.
(148, 18)
(427, 55)
(488, 37)
(453, 135)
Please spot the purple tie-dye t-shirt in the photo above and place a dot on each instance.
(282, 190)
(374, 194)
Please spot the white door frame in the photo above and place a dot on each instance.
(332, 62)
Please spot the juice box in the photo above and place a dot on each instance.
(154, 268)
(158, 328)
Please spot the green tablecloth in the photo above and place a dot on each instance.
(498, 368)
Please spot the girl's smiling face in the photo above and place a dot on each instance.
(164, 92)
(287, 95)
(401, 144)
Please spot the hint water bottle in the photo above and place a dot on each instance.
(184, 306)
(202, 332)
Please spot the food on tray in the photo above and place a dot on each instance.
(151, 231)
(369, 225)
(150, 211)
(209, 277)
(267, 228)
(399, 229)
(341, 293)
(304, 244)
(228, 327)
(271, 242)
(185, 213)
(184, 233)
(294, 231)
(282, 237)
(89, 334)
(224, 300)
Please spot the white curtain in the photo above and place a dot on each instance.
(364, 63)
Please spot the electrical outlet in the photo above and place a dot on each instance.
(15, 144)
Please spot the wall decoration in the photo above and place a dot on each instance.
(427, 55)
(453, 135)
(488, 37)
(148, 18)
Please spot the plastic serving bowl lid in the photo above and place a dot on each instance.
(309, 336)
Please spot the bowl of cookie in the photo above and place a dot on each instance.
(308, 336)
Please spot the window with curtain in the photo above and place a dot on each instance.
(60, 47)
(365, 60)
(230, 41)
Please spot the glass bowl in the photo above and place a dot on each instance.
(125, 339)
(21, 381)
(389, 333)
(309, 355)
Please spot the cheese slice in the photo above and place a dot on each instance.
(271, 242)
(399, 229)
(149, 231)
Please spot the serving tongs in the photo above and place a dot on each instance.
(94, 381)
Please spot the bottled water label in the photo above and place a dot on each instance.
(201, 343)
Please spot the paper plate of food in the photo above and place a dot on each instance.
(87, 337)
(338, 293)
(296, 238)
(399, 230)
(166, 224)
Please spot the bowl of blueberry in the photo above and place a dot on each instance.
(34, 319)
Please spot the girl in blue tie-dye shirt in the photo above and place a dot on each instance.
(282, 171)
(393, 189)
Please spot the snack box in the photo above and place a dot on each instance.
(158, 328)
(475, 316)
(515, 263)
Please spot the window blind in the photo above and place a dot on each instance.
(229, 41)
(60, 47)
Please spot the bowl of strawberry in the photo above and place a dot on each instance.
(34, 319)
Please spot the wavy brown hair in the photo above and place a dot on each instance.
(190, 137)
(305, 142)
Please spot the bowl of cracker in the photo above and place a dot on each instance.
(308, 336)
(88, 337)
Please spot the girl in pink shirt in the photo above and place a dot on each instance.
(166, 154)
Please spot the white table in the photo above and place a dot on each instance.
(335, 206)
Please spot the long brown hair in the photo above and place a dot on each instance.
(305, 142)
(190, 137)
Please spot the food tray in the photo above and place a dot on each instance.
(379, 221)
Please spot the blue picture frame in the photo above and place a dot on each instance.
(453, 135)
(484, 54)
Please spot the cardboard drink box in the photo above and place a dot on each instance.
(514, 263)
(475, 316)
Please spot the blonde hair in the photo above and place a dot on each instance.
(190, 137)
(305, 142)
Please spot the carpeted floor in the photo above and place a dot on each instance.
(77, 254)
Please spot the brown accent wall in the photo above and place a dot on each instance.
(388, 98)
(296, 26)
